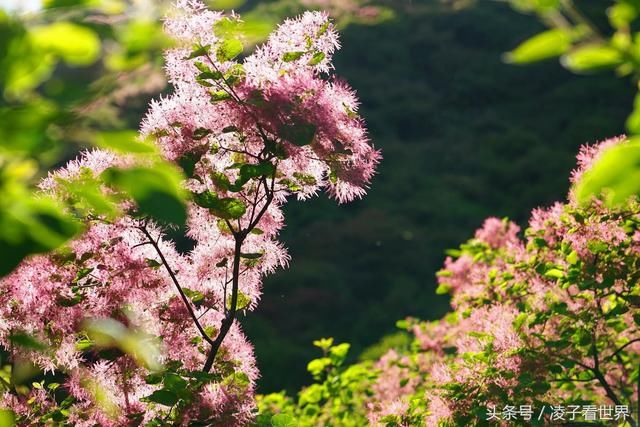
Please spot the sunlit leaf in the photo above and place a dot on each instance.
(292, 56)
(124, 141)
(229, 49)
(592, 58)
(615, 175)
(7, 418)
(107, 333)
(75, 44)
(545, 45)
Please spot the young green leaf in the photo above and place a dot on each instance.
(229, 49)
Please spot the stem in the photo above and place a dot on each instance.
(230, 316)
(177, 284)
(579, 18)
(603, 382)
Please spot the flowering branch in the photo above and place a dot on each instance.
(239, 237)
(187, 304)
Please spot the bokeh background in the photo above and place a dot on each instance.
(464, 136)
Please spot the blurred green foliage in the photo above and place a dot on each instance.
(337, 396)
(590, 37)
(66, 74)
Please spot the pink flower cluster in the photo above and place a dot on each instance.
(281, 93)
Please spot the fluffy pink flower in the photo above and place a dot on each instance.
(498, 233)
(588, 154)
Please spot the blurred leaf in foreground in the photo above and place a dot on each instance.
(615, 175)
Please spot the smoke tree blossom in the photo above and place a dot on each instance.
(124, 328)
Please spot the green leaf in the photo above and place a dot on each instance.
(226, 208)
(153, 263)
(124, 141)
(220, 95)
(30, 226)
(292, 56)
(156, 190)
(210, 75)
(202, 67)
(283, 420)
(163, 397)
(199, 51)
(230, 129)
(229, 49)
(317, 366)
(76, 44)
(242, 303)
(256, 255)
(339, 352)
(153, 378)
(195, 296)
(554, 273)
(299, 134)
(250, 171)
(7, 418)
(174, 383)
(317, 58)
(188, 163)
(238, 379)
(593, 57)
(597, 246)
(70, 302)
(27, 341)
(228, 27)
(545, 45)
(615, 175)
(83, 344)
(633, 121)
(201, 133)
(206, 199)
(324, 343)
(622, 13)
(443, 289)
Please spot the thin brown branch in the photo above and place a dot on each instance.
(187, 304)
(230, 316)
(620, 349)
